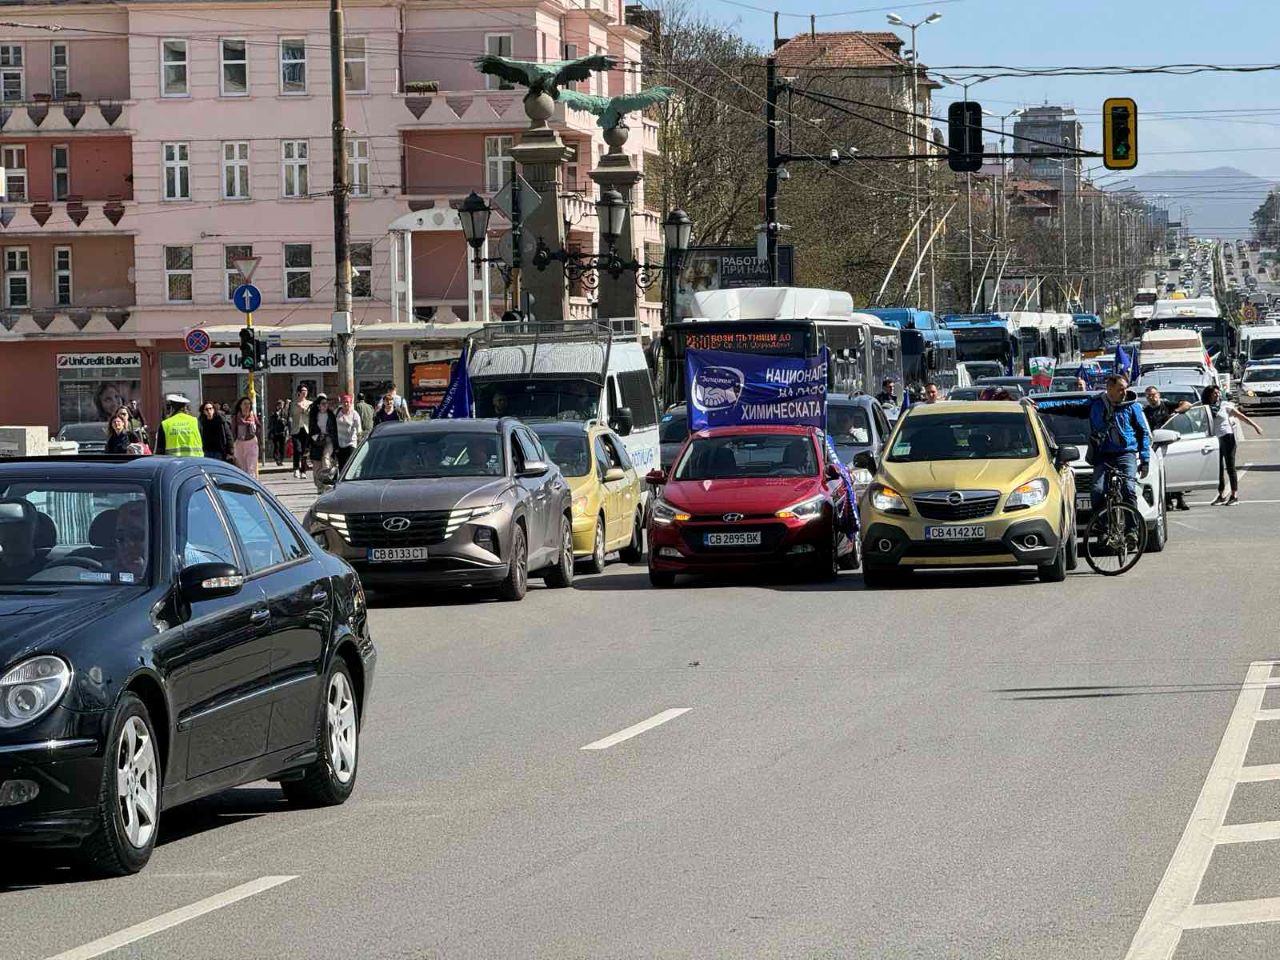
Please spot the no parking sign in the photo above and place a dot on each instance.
(197, 341)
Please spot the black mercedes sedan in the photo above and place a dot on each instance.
(167, 631)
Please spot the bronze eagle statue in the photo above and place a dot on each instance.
(610, 110)
(546, 77)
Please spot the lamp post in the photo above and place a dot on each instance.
(677, 231)
(897, 21)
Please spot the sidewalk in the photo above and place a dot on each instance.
(296, 495)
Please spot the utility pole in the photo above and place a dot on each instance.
(771, 173)
(342, 326)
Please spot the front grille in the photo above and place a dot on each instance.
(426, 527)
(971, 509)
(770, 537)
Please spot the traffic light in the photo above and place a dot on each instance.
(964, 136)
(1119, 133)
(248, 349)
(260, 355)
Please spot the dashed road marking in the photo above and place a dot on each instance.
(635, 730)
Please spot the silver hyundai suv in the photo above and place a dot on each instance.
(450, 503)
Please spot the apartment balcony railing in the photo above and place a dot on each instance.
(72, 215)
(63, 117)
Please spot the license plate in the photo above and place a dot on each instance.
(955, 533)
(747, 538)
(396, 554)
(1084, 502)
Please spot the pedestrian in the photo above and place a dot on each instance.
(931, 394)
(215, 433)
(137, 422)
(323, 437)
(300, 431)
(179, 434)
(1081, 386)
(365, 409)
(1221, 413)
(348, 430)
(1157, 410)
(388, 410)
(119, 436)
(245, 430)
(886, 396)
(279, 430)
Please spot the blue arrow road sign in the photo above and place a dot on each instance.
(247, 298)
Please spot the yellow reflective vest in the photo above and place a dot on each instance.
(182, 436)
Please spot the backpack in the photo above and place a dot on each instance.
(1092, 452)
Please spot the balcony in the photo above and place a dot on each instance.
(34, 322)
(482, 109)
(63, 117)
(649, 136)
(71, 216)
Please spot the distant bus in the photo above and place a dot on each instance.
(1203, 315)
(1090, 329)
(928, 348)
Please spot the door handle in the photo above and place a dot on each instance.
(319, 595)
(260, 616)
(1208, 448)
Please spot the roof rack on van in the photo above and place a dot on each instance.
(546, 349)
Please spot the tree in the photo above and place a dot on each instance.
(1266, 221)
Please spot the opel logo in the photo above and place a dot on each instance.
(955, 497)
(732, 517)
(396, 524)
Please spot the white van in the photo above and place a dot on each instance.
(1260, 344)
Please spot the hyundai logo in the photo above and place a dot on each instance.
(396, 524)
(732, 517)
(955, 497)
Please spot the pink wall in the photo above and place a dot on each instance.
(99, 270)
(99, 167)
(440, 266)
(99, 69)
(444, 55)
(455, 163)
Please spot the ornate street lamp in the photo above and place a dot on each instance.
(474, 214)
(611, 214)
(677, 232)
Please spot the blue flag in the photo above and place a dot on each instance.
(728, 389)
(906, 398)
(849, 520)
(1124, 362)
(456, 402)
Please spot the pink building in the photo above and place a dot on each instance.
(145, 148)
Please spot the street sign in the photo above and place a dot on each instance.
(1250, 313)
(197, 341)
(198, 363)
(529, 200)
(528, 245)
(247, 298)
(274, 339)
(246, 266)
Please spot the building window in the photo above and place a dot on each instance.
(231, 253)
(17, 277)
(293, 154)
(177, 172)
(361, 270)
(497, 45)
(235, 170)
(293, 66)
(498, 165)
(297, 271)
(173, 78)
(14, 162)
(358, 167)
(235, 68)
(62, 276)
(570, 52)
(355, 65)
(61, 172)
(13, 85)
(60, 69)
(177, 274)
(571, 168)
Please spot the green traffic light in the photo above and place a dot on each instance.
(1121, 150)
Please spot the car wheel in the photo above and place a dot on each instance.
(516, 584)
(827, 565)
(128, 811)
(330, 780)
(1055, 571)
(661, 578)
(1159, 535)
(853, 559)
(634, 551)
(595, 563)
(1073, 548)
(561, 575)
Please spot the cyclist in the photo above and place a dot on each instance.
(1119, 437)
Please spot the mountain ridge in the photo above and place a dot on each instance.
(1219, 200)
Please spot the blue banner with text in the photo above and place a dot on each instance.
(741, 389)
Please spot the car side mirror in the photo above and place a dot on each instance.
(614, 474)
(534, 468)
(623, 421)
(832, 472)
(208, 581)
(865, 461)
(656, 477)
(1067, 453)
(1162, 437)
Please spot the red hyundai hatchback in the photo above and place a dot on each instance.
(743, 497)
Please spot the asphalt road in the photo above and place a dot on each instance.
(978, 766)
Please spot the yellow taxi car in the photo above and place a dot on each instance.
(608, 506)
(970, 485)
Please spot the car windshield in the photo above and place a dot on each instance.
(570, 453)
(1253, 376)
(81, 432)
(427, 455)
(964, 393)
(964, 436)
(1074, 430)
(78, 532)
(848, 423)
(538, 399)
(674, 428)
(747, 455)
(1260, 349)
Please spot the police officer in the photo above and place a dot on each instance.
(179, 433)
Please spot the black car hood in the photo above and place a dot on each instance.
(381, 496)
(36, 620)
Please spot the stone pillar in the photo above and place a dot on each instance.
(540, 155)
(617, 171)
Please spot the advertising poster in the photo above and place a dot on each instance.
(93, 386)
(428, 381)
(724, 268)
(732, 389)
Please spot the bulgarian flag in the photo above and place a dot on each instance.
(1042, 372)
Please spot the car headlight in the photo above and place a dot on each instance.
(1028, 495)
(580, 505)
(888, 500)
(805, 510)
(663, 513)
(31, 689)
(460, 515)
(1250, 393)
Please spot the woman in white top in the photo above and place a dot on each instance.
(1221, 414)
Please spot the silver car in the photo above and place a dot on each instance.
(450, 503)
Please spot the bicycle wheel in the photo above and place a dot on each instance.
(1115, 539)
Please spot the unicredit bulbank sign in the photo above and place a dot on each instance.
(283, 360)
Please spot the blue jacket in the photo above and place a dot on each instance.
(1129, 434)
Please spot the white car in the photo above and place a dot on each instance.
(1260, 388)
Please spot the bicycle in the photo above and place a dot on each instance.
(1116, 536)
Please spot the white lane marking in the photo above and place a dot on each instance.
(1263, 771)
(1268, 715)
(1249, 832)
(171, 919)
(1161, 928)
(1232, 912)
(655, 721)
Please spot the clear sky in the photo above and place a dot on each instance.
(1185, 122)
